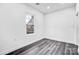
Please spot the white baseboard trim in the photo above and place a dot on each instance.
(61, 40)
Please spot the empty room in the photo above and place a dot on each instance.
(39, 28)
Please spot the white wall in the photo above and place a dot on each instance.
(61, 25)
(77, 30)
(12, 27)
(77, 22)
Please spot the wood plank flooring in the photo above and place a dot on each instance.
(51, 47)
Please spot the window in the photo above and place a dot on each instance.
(29, 24)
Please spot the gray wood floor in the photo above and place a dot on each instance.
(51, 47)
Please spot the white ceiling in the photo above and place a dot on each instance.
(50, 7)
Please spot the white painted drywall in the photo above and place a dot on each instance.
(77, 29)
(77, 23)
(60, 25)
(12, 27)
